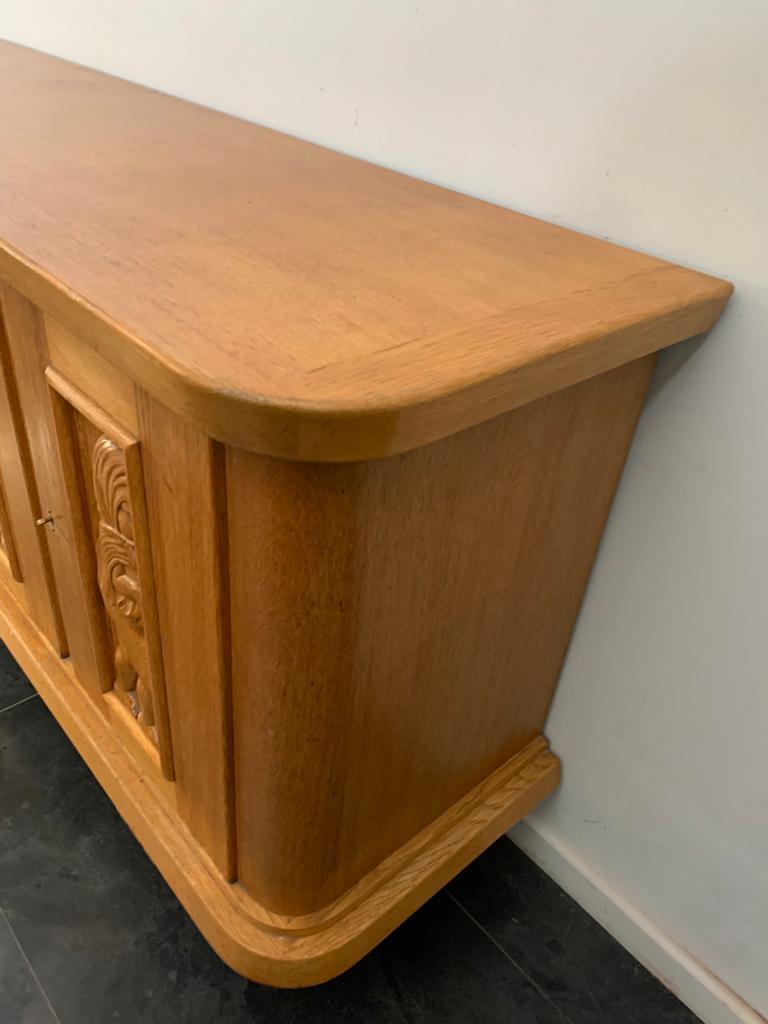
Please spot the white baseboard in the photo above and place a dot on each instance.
(702, 991)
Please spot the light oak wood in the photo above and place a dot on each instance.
(420, 608)
(7, 542)
(293, 300)
(303, 469)
(187, 518)
(29, 353)
(22, 492)
(85, 371)
(104, 479)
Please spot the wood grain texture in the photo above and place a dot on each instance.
(187, 524)
(293, 300)
(21, 439)
(7, 540)
(29, 354)
(398, 627)
(90, 374)
(103, 476)
(230, 920)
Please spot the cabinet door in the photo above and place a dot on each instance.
(76, 515)
(24, 533)
(103, 477)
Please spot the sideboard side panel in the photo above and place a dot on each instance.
(477, 552)
(398, 627)
(186, 504)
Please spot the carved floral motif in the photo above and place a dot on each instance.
(119, 578)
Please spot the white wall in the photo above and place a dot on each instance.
(646, 123)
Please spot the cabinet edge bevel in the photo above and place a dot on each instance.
(301, 425)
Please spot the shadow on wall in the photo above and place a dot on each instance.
(673, 360)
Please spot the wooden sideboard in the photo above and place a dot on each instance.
(304, 464)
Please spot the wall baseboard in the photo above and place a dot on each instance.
(701, 990)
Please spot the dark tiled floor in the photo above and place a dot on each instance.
(90, 933)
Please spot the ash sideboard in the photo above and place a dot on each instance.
(303, 468)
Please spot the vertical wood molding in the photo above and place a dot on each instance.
(186, 502)
(7, 541)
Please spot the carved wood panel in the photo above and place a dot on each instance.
(118, 575)
(105, 486)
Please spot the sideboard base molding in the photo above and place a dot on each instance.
(269, 948)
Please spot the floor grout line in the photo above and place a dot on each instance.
(25, 958)
(511, 959)
(16, 704)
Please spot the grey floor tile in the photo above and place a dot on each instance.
(582, 969)
(14, 685)
(109, 941)
(21, 999)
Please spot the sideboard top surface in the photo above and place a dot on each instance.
(295, 300)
